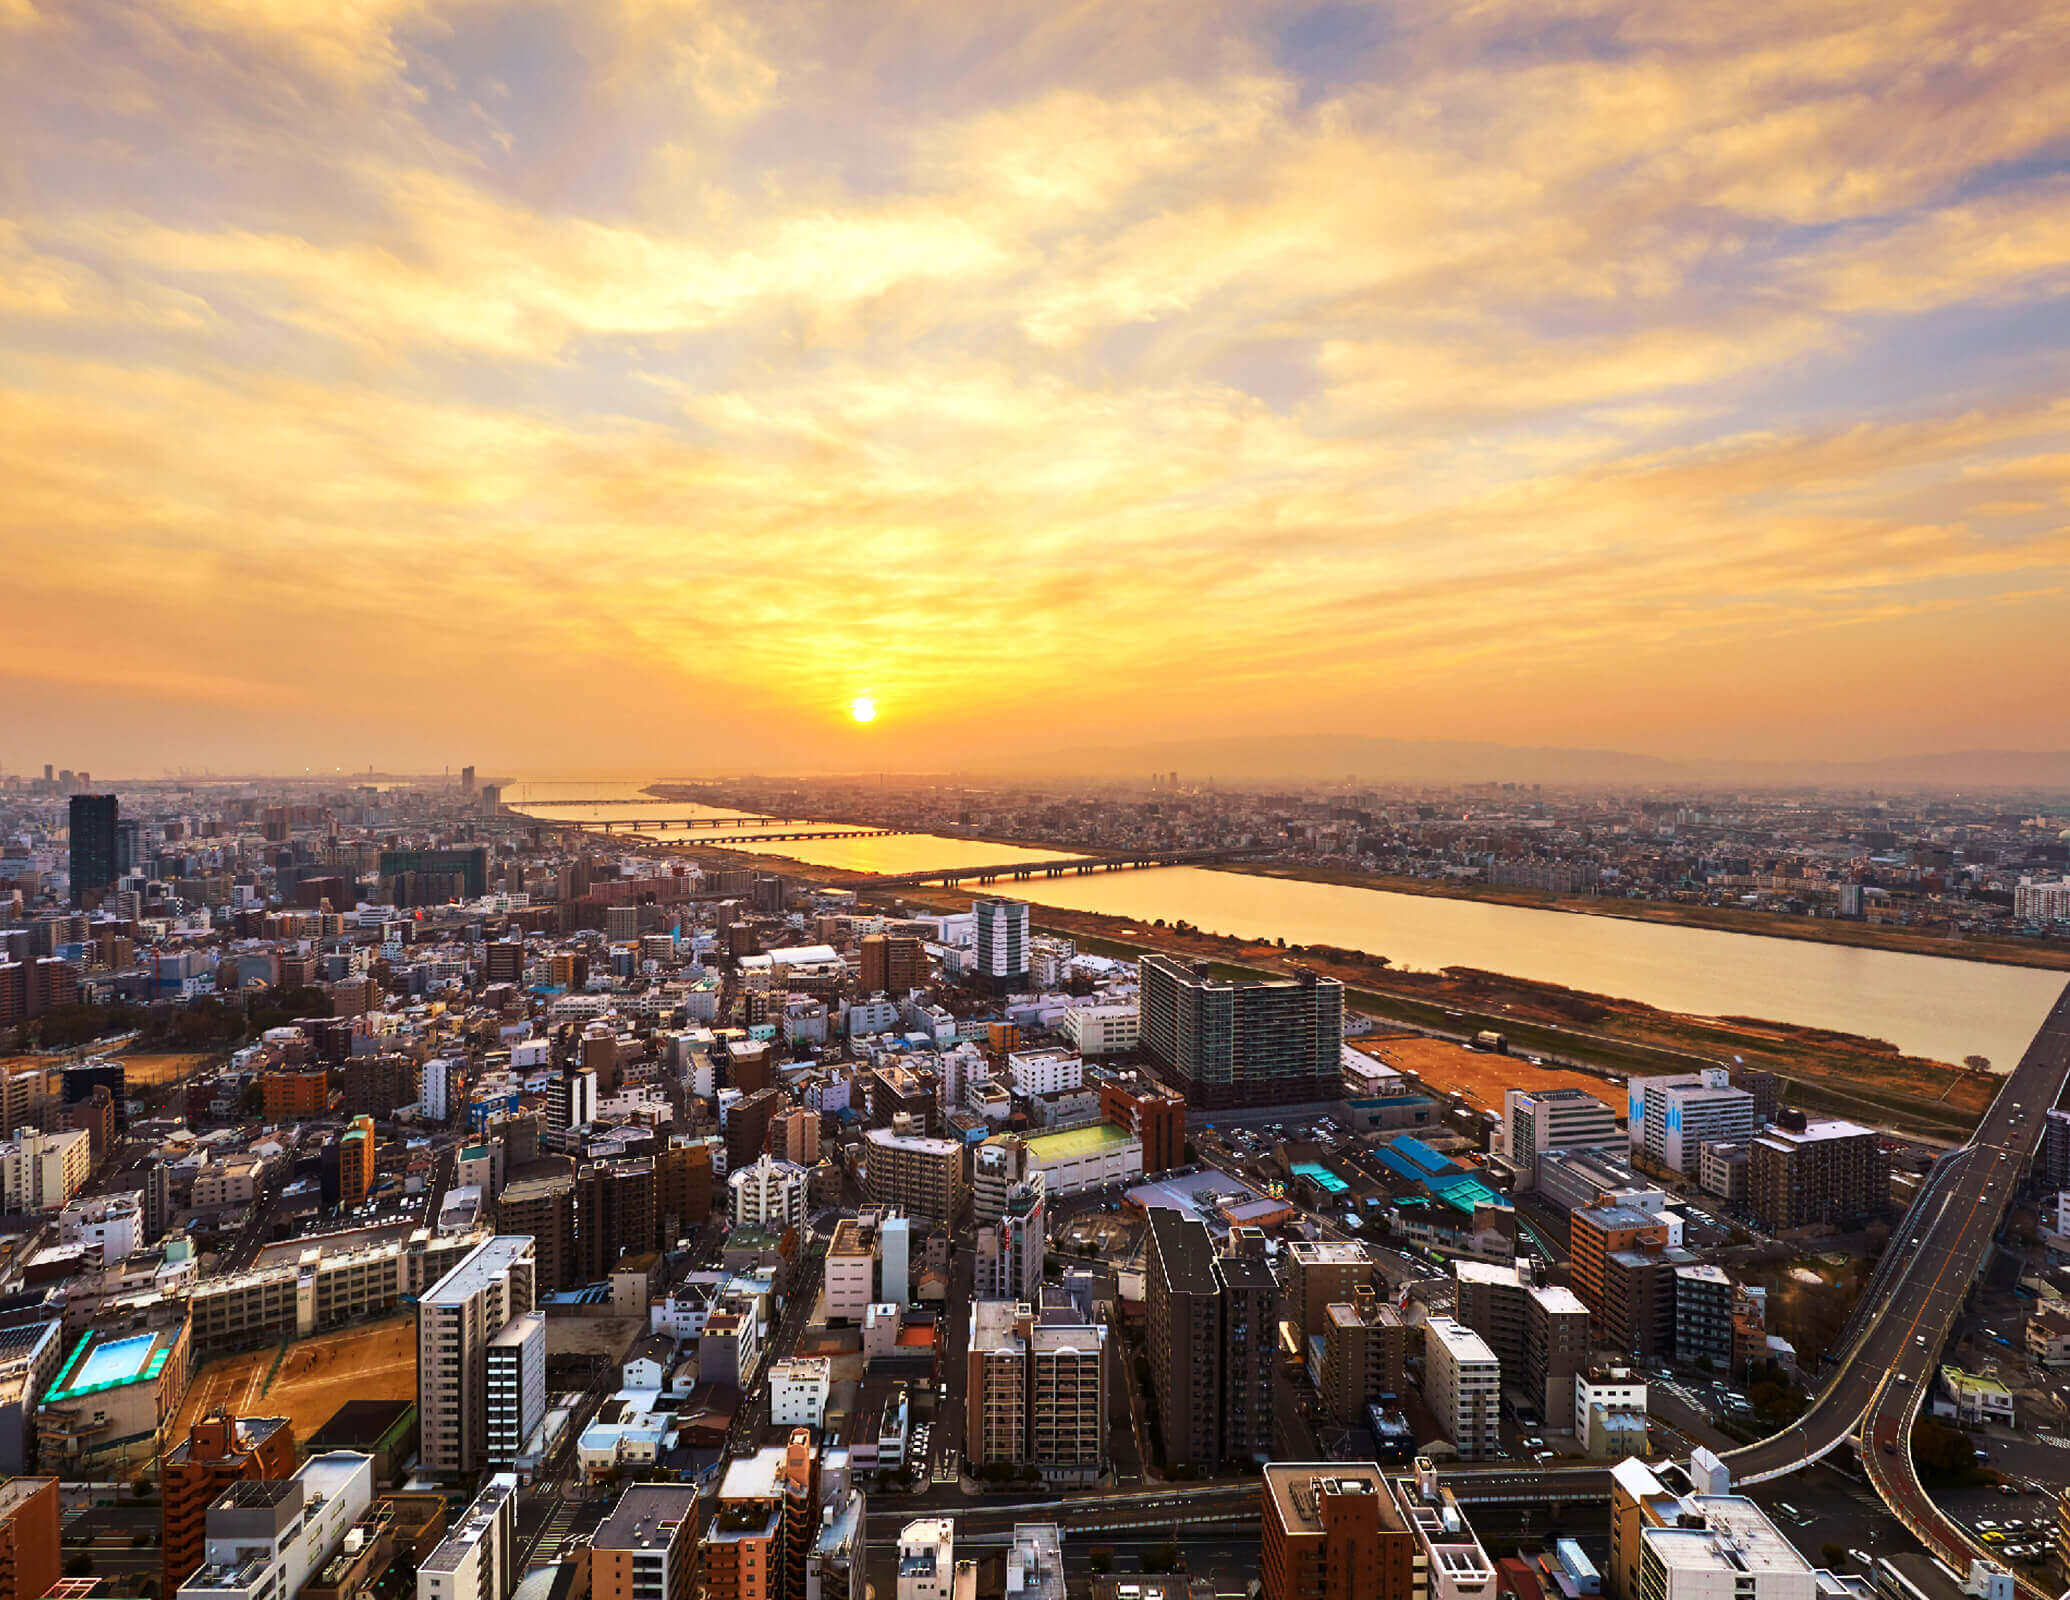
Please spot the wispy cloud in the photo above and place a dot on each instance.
(636, 380)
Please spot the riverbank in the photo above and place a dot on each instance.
(1722, 919)
(1825, 1072)
(1948, 944)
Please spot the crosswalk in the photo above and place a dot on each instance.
(555, 1531)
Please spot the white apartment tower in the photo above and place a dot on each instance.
(457, 1318)
(1002, 941)
(1463, 1383)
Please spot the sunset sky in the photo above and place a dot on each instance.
(625, 382)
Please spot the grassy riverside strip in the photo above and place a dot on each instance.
(1824, 1072)
(2052, 957)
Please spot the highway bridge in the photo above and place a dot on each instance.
(1064, 867)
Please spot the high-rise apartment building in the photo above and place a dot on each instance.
(1331, 1531)
(457, 1318)
(769, 1193)
(93, 844)
(29, 1538)
(646, 1549)
(1462, 1381)
(1036, 1391)
(1212, 1325)
(543, 1208)
(908, 1172)
(614, 1214)
(466, 866)
(1155, 1116)
(892, 963)
(516, 1374)
(478, 1558)
(1364, 1347)
(1537, 1120)
(218, 1450)
(1001, 949)
(1671, 1119)
(1253, 1042)
(1321, 1273)
(1832, 1172)
(1539, 1332)
(1010, 1251)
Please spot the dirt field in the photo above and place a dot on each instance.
(1480, 1076)
(149, 1071)
(306, 1380)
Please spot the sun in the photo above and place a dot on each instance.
(863, 708)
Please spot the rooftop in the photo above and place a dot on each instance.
(1094, 1139)
(483, 1265)
(647, 1516)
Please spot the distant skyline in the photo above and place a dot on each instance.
(638, 385)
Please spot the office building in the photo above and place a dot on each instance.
(1832, 1172)
(93, 827)
(571, 1103)
(1462, 1381)
(29, 1538)
(219, 1450)
(1103, 1028)
(1537, 1120)
(927, 1559)
(1243, 1043)
(1331, 1531)
(478, 1558)
(646, 1548)
(1011, 1251)
(516, 1378)
(768, 1194)
(1000, 955)
(909, 1172)
(1671, 1119)
(1212, 1334)
(457, 1318)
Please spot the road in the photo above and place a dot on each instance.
(1966, 1224)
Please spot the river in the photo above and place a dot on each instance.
(1931, 1006)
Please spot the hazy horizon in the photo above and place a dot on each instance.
(638, 384)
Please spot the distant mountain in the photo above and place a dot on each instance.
(1290, 757)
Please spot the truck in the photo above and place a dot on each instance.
(1488, 1039)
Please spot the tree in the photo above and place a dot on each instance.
(1160, 1557)
(79, 1565)
(1831, 1553)
(1101, 1560)
(1977, 1063)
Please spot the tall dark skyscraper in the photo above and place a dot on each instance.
(93, 843)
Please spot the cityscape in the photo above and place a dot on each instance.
(1161, 800)
(406, 1184)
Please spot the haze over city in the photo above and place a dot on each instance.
(638, 384)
